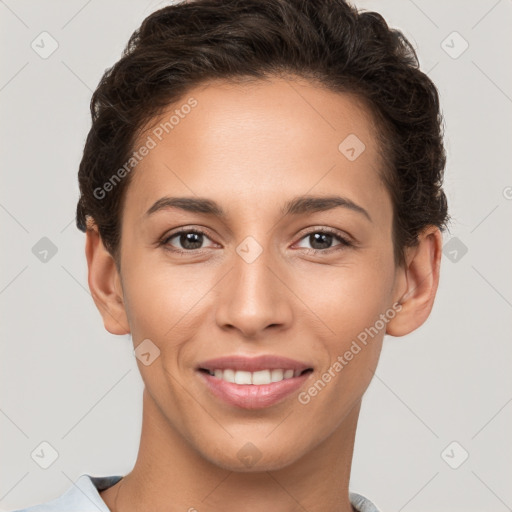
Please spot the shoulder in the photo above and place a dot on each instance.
(362, 504)
(82, 496)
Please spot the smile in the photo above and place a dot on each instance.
(258, 378)
(247, 394)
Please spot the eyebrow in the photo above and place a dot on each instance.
(297, 206)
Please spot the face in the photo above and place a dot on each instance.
(261, 279)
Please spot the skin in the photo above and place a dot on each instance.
(251, 148)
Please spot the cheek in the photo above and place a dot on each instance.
(347, 298)
(350, 335)
(164, 301)
(352, 304)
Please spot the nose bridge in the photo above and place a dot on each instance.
(252, 262)
(253, 297)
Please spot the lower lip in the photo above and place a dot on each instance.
(250, 396)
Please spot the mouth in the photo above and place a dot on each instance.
(253, 382)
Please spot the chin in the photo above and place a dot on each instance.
(270, 462)
(250, 453)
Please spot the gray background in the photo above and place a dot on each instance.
(67, 381)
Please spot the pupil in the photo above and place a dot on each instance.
(191, 240)
(318, 237)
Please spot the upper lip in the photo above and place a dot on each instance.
(253, 364)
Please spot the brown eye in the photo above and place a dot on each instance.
(322, 240)
(187, 240)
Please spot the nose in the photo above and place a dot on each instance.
(255, 297)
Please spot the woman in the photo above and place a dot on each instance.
(261, 197)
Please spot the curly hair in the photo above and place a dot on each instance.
(328, 42)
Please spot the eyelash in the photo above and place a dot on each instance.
(344, 242)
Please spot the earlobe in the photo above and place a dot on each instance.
(105, 284)
(417, 283)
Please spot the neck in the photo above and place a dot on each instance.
(170, 475)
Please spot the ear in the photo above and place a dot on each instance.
(105, 283)
(417, 283)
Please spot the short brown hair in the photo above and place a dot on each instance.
(327, 41)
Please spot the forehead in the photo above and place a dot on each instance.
(254, 143)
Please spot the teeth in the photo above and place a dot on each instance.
(257, 378)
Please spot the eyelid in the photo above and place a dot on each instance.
(326, 229)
